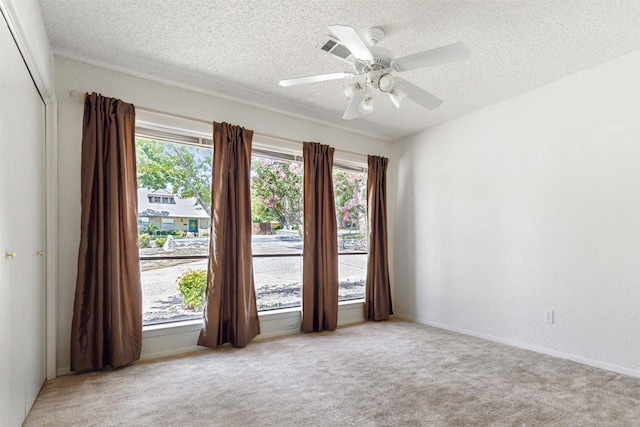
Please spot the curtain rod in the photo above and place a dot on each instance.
(79, 95)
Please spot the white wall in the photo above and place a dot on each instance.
(527, 205)
(71, 75)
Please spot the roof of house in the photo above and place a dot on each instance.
(182, 208)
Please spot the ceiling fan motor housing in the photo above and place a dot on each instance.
(382, 57)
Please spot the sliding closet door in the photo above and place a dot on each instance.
(22, 231)
(32, 315)
(9, 391)
(5, 226)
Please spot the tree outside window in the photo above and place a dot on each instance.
(276, 191)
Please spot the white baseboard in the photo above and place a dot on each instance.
(558, 354)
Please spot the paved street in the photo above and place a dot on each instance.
(277, 279)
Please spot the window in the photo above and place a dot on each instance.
(160, 199)
(350, 188)
(161, 168)
(174, 237)
(143, 223)
(276, 187)
(276, 208)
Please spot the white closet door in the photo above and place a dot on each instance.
(22, 231)
(32, 315)
(5, 263)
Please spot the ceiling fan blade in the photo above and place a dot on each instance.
(313, 79)
(417, 94)
(353, 110)
(348, 37)
(440, 55)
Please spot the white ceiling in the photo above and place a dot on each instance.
(241, 49)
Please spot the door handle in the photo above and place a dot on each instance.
(40, 253)
(10, 254)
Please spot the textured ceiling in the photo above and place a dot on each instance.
(241, 49)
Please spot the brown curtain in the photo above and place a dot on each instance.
(230, 314)
(320, 254)
(377, 301)
(107, 312)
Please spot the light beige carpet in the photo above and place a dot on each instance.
(373, 374)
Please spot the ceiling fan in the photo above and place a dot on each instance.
(374, 69)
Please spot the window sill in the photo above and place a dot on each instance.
(195, 325)
(279, 313)
(351, 302)
(171, 328)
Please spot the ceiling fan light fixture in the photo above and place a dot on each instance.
(350, 88)
(366, 106)
(385, 82)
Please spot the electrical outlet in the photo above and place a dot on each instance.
(548, 316)
(290, 325)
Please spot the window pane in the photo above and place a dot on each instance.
(351, 210)
(278, 282)
(173, 226)
(276, 209)
(161, 299)
(276, 205)
(351, 214)
(352, 273)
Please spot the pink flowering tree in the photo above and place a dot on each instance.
(351, 198)
(276, 190)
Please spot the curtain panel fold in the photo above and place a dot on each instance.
(320, 253)
(107, 313)
(377, 300)
(231, 313)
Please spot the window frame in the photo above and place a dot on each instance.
(281, 150)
